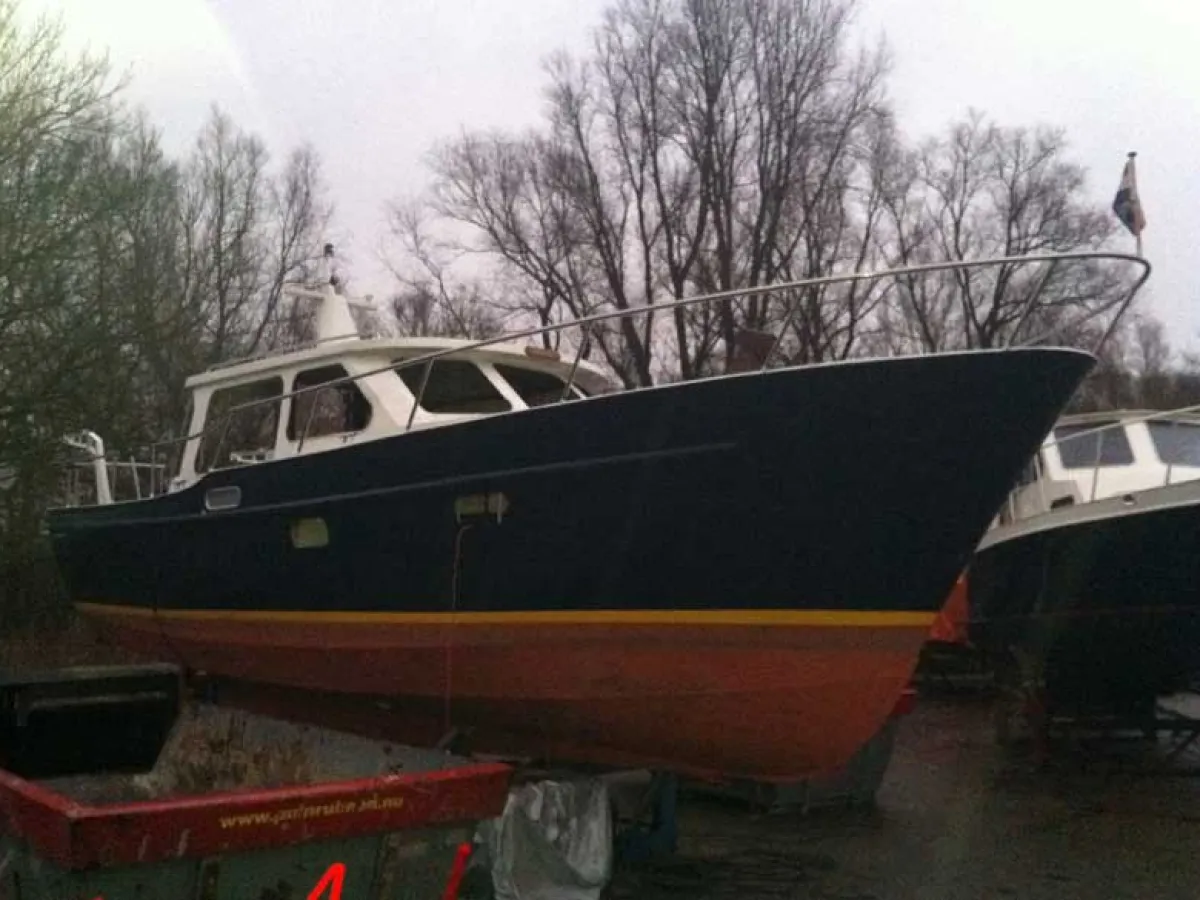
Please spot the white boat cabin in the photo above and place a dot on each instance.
(365, 400)
(341, 389)
(1096, 456)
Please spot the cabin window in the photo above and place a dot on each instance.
(233, 436)
(454, 386)
(1177, 443)
(308, 534)
(337, 409)
(534, 387)
(1109, 447)
(1030, 473)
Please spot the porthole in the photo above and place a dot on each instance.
(308, 534)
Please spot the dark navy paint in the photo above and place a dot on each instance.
(856, 486)
(1111, 608)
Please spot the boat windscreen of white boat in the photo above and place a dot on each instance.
(1096, 456)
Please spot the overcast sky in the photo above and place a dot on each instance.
(372, 83)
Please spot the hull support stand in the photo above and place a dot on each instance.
(642, 840)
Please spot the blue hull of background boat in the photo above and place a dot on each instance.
(1109, 609)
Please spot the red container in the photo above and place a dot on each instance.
(377, 837)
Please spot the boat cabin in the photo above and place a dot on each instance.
(340, 389)
(341, 392)
(362, 399)
(1095, 456)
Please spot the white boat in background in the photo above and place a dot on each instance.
(1089, 580)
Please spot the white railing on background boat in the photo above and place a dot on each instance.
(1120, 303)
(1175, 417)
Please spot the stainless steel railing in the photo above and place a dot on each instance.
(1184, 416)
(1119, 304)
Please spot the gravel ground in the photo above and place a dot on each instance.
(956, 817)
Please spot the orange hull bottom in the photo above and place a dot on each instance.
(716, 700)
(950, 625)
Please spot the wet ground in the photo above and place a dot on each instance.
(956, 817)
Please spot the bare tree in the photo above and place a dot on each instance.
(121, 271)
(55, 117)
(432, 299)
(298, 215)
(69, 170)
(701, 146)
(1138, 369)
(245, 233)
(223, 219)
(987, 191)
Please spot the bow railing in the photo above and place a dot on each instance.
(587, 327)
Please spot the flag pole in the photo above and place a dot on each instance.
(1138, 236)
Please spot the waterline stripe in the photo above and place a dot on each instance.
(836, 618)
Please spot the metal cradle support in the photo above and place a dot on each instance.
(660, 836)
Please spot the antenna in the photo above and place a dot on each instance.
(333, 321)
(329, 275)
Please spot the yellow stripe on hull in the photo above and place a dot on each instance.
(835, 618)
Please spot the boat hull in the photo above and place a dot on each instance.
(773, 544)
(1101, 603)
(707, 694)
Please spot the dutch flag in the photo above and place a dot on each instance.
(1126, 204)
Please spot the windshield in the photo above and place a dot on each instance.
(453, 386)
(1176, 443)
(534, 387)
(1109, 447)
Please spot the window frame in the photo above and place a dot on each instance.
(209, 429)
(1114, 426)
(1032, 471)
(418, 373)
(176, 453)
(291, 427)
(1167, 425)
(502, 368)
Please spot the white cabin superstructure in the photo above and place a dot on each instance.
(341, 389)
(1095, 457)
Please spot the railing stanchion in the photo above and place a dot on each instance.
(137, 482)
(583, 340)
(312, 410)
(1096, 467)
(1039, 472)
(221, 442)
(420, 393)
(1171, 462)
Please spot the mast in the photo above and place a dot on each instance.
(333, 321)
